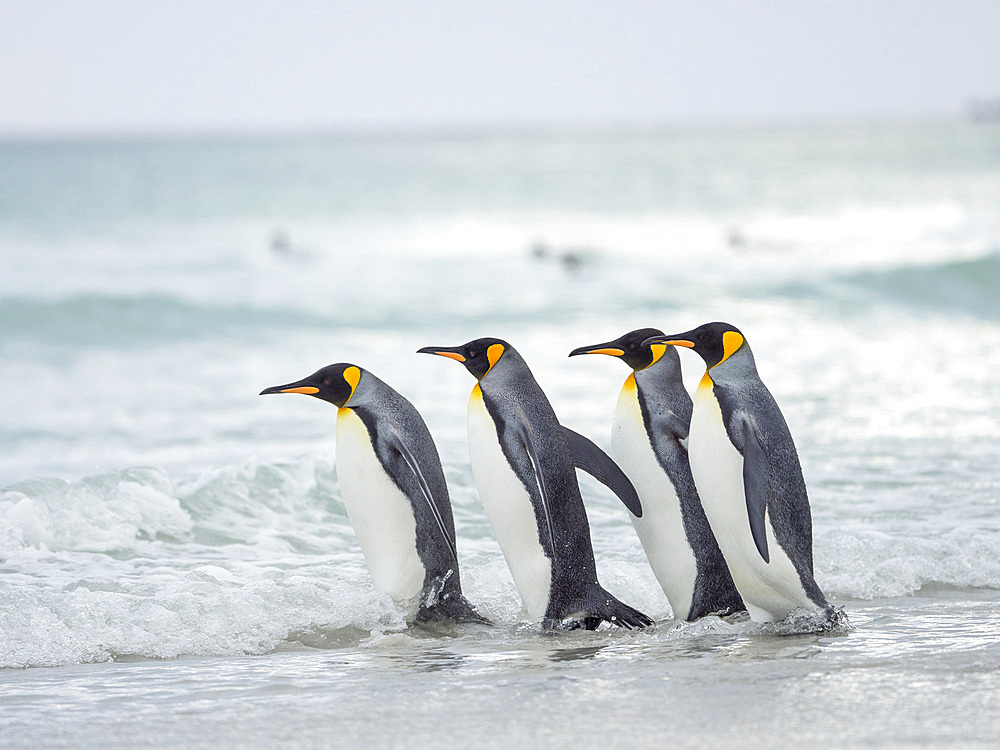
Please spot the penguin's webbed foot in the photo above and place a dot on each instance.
(454, 607)
(599, 607)
(579, 621)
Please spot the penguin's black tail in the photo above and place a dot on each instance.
(599, 606)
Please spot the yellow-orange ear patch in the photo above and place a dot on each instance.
(658, 350)
(731, 343)
(353, 376)
(494, 353)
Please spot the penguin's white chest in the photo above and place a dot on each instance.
(769, 590)
(380, 513)
(661, 528)
(509, 508)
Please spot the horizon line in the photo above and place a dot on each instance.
(469, 129)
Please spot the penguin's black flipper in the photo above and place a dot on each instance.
(536, 466)
(425, 491)
(591, 459)
(754, 483)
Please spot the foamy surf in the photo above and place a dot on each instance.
(254, 558)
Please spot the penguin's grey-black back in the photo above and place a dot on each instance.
(524, 463)
(748, 475)
(394, 491)
(649, 436)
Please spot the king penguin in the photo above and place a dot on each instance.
(648, 438)
(394, 490)
(524, 464)
(747, 472)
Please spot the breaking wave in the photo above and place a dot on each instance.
(258, 557)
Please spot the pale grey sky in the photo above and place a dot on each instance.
(123, 66)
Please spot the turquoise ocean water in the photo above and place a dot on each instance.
(176, 566)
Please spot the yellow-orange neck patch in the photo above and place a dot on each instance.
(630, 384)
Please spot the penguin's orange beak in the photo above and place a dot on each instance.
(667, 340)
(442, 352)
(599, 349)
(309, 390)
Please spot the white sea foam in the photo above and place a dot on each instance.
(250, 558)
(174, 614)
(875, 565)
(124, 565)
(121, 511)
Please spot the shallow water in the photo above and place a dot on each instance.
(911, 673)
(176, 567)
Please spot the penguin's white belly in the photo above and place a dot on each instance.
(380, 513)
(661, 528)
(769, 590)
(508, 506)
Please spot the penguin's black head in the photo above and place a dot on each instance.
(478, 356)
(715, 342)
(334, 383)
(631, 348)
